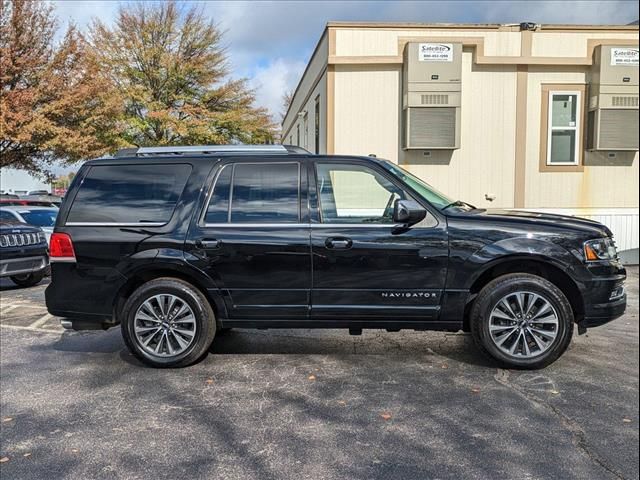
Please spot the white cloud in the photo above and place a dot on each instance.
(273, 81)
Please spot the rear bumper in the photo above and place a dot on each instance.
(21, 266)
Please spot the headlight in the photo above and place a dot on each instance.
(600, 249)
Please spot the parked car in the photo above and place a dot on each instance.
(23, 253)
(45, 199)
(43, 217)
(174, 243)
(22, 201)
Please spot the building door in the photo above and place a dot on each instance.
(363, 265)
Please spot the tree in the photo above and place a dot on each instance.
(170, 68)
(287, 98)
(54, 104)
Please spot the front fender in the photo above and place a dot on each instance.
(519, 249)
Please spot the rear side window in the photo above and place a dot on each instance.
(256, 193)
(129, 194)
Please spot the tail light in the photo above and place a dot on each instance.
(61, 248)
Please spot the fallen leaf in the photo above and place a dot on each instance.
(209, 381)
(475, 390)
(386, 416)
(26, 455)
(341, 402)
(626, 420)
(4, 459)
(7, 419)
(312, 377)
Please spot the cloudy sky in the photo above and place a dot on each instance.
(270, 42)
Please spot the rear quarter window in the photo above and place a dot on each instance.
(129, 194)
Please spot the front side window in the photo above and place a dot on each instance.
(563, 135)
(256, 193)
(355, 194)
(129, 194)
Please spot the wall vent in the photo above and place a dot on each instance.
(433, 127)
(618, 129)
(434, 99)
(627, 101)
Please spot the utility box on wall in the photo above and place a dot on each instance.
(612, 122)
(431, 95)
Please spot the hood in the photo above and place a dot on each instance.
(17, 227)
(576, 224)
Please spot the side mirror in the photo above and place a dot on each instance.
(408, 212)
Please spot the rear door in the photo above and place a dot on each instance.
(252, 238)
(364, 267)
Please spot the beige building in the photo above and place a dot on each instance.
(541, 117)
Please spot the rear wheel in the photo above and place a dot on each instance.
(168, 322)
(522, 320)
(28, 279)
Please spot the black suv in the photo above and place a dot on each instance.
(176, 243)
(23, 253)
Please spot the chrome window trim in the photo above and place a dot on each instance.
(303, 225)
(114, 224)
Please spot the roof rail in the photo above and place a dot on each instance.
(210, 150)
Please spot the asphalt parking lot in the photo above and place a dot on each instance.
(311, 404)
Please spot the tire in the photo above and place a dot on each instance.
(491, 322)
(164, 343)
(28, 279)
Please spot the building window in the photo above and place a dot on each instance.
(316, 121)
(298, 135)
(564, 128)
(562, 124)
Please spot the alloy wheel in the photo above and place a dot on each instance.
(165, 325)
(523, 324)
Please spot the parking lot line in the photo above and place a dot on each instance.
(31, 329)
(6, 310)
(41, 321)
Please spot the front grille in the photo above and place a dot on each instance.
(20, 239)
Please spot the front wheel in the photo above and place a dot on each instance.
(28, 279)
(168, 322)
(522, 320)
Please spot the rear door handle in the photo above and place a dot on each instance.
(338, 243)
(208, 243)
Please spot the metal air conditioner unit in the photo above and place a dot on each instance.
(431, 96)
(612, 118)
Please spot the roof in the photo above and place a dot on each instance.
(477, 26)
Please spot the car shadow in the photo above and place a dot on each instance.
(452, 347)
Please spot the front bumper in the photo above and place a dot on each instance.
(25, 265)
(605, 297)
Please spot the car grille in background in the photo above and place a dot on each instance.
(20, 239)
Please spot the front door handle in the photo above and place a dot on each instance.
(338, 243)
(208, 243)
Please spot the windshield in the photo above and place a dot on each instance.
(426, 191)
(40, 218)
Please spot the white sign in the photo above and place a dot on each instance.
(435, 52)
(624, 56)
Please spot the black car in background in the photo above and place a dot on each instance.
(175, 243)
(23, 253)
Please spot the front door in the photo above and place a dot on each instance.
(364, 266)
(253, 239)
